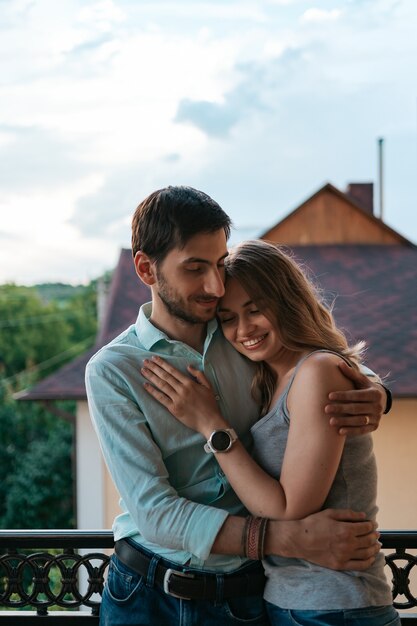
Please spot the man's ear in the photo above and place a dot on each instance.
(145, 268)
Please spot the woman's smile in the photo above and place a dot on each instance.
(254, 343)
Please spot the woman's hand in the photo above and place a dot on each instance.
(192, 402)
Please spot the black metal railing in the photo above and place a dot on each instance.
(51, 573)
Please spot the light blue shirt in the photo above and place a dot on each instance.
(174, 496)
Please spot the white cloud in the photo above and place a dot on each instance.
(317, 15)
(40, 212)
(39, 244)
(102, 15)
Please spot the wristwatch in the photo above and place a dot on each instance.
(220, 440)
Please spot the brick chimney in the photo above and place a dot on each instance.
(363, 194)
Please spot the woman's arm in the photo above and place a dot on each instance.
(313, 450)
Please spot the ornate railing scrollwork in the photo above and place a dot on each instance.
(68, 578)
(42, 580)
(402, 565)
(32, 577)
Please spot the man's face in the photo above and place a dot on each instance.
(190, 281)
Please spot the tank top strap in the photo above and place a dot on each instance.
(297, 367)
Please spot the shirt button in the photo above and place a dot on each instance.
(217, 398)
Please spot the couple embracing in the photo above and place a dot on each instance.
(248, 496)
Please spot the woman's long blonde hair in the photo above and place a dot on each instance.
(281, 290)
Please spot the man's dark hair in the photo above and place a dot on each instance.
(169, 217)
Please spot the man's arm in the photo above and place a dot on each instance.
(138, 470)
(359, 410)
(337, 539)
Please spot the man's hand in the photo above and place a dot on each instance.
(359, 410)
(337, 539)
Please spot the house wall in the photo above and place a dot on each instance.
(97, 498)
(328, 218)
(90, 474)
(395, 449)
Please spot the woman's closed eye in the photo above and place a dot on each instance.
(226, 319)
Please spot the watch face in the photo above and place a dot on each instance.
(221, 440)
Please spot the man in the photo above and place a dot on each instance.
(179, 549)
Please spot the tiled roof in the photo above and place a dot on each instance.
(127, 294)
(375, 299)
(375, 292)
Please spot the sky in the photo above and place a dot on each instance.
(258, 104)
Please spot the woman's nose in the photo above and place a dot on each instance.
(245, 328)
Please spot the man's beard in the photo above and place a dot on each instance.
(175, 304)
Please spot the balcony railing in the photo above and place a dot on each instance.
(52, 574)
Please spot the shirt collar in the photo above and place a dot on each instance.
(149, 335)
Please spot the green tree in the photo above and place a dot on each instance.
(41, 485)
(30, 331)
(35, 466)
(36, 337)
(82, 318)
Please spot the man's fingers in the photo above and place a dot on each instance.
(366, 394)
(352, 410)
(359, 425)
(355, 395)
(355, 375)
(367, 540)
(355, 421)
(361, 544)
(358, 565)
(358, 559)
(364, 532)
(360, 430)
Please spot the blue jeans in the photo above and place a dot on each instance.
(370, 616)
(131, 600)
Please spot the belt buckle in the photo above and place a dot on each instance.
(167, 577)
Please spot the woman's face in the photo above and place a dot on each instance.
(245, 327)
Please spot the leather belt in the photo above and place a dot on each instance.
(191, 584)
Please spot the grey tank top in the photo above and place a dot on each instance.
(300, 585)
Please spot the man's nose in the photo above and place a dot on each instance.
(214, 283)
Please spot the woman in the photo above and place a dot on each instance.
(272, 314)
